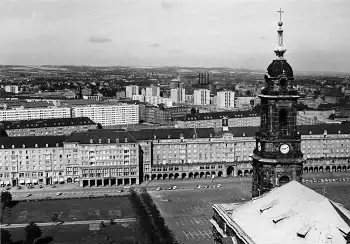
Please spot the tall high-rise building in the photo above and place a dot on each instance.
(225, 99)
(153, 91)
(178, 95)
(201, 97)
(131, 90)
(277, 158)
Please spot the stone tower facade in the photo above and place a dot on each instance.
(277, 158)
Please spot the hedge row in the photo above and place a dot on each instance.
(148, 231)
(166, 234)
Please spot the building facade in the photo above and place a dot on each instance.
(109, 114)
(132, 90)
(152, 91)
(178, 95)
(12, 89)
(225, 99)
(34, 113)
(47, 127)
(214, 119)
(31, 160)
(157, 115)
(168, 153)
(201, 97)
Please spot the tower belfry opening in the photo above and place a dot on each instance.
(277, 158)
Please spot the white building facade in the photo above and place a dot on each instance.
(178, 95)
(34, 113)
(109, 114)
(201, 97)
(225, 99)
(132, 90)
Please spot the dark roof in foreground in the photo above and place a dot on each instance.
(102, 136)
(39, 123)
(218, 115)
(31, 141)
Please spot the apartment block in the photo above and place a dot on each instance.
(33, 113)
(109, 114)
(119, 157)
(225, 99)
(45, 127)
(201, 97)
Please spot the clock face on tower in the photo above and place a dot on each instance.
(284, 148)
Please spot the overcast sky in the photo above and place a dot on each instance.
(208, 33)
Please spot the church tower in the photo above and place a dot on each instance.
(277, 158)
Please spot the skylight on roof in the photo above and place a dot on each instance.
(302, 232)
(267, 206)
(282, 217)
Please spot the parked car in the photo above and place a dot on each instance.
(126, 187)
(170, 188)
(58, 193)
(333, 180)
(199, 186)
(40, 186)
(218, 185)
(29, 194)
(158, 188)
(174, 187)
(120, 190)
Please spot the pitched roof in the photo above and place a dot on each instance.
(101, 136)
(31, 141)
(39, 123)
(292, 213)
(219, 115)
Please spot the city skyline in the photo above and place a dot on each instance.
(235, 34)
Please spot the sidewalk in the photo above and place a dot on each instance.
(84, 222)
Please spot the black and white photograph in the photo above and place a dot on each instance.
(175, 122)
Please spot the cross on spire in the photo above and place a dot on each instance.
(280, 12)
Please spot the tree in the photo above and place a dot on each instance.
(99, 126)
(6, 198)
(5, 236)
(32, 232)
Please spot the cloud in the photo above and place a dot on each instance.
(155, 44)
(166, 4)
(99, 39)
(264, 38)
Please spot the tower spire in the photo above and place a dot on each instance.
(280, 49)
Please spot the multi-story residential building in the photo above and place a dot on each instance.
(132, 90)
(45, 127)
(201, 97)
(178, 95)
(214, 119)
(225, 99)
(95, 98)
(157, 115)
(162, 154)
(152, 91)
(12, 89)
(109, 114)
(99, 158)
(34, 113)
(31, 160)
(158, 100)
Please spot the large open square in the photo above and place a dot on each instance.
(188, 212)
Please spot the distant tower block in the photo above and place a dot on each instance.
(277, 158)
